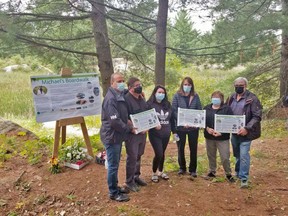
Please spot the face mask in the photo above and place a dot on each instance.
(186, 89)
(239, 89)
(138, 90)
(216, 101)
(121, 86)
(159, 96)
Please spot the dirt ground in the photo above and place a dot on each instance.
(33, 190)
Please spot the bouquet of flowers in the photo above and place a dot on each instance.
(75, 154)
(55, 168)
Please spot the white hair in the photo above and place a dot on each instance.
(241, 79)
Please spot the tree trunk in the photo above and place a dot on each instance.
(161, 28)
(102, 43)
(284, 55)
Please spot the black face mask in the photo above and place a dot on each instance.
(138, 90)
(239, 89)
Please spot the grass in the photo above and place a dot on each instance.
(16, 96)
(131, 210)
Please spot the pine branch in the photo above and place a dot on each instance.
(128, 51)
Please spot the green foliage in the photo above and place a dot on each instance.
(218, 179)
(93, 121)
(40, 199)
(131, 210)
(16, 97)
(33, 150)
(96, 143)
(171, 164)
(53, 34)
(129, 44)
(71, 197)
(206, 81)
(182, 36)
(171, 85)
(5, 149)
(245, 31)
(265, 84)
(202, 164)
(274, 128)
(12, 213)
(258, 154)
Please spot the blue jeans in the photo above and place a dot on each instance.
(113, 152)
(241, 149)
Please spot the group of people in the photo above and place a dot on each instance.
(117, 128)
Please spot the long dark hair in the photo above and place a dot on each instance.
(166, 104)
(190, 81)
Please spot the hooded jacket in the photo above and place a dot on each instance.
(114, 117)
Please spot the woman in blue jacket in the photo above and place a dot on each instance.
(186, 98)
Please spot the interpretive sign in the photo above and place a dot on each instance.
(191, 117)
(229, 123)
(145, 120)
(57, 97)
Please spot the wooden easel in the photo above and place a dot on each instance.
(62, 123)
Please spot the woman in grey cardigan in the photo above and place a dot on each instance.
(186, 98)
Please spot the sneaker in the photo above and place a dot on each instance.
(124, 190)
(140, 182)
(120, 197)
(211, 175)
(133, 187)
(230, 178)
(244, 184)
(181, 172)
(193, 174)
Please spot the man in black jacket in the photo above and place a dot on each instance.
(135, 144)
(244, 102)
(114, 130)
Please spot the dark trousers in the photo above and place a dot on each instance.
(159, 146)
(135, 146)
(193, 144)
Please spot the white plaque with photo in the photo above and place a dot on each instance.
(229, 123)
(191, 117)
(145, 120)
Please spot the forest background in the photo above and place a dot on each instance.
(153, 40)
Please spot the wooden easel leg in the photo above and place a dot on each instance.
(86, 138)
(63, 138)
(56, 140)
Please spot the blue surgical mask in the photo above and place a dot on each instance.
(159, 96)
(216, 101)
(121, 86)
(186, 88)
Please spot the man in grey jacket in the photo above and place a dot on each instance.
(244, 102)
(114, 130)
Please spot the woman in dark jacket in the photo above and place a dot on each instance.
(159, 137)
(215, 140)
(186, 98)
